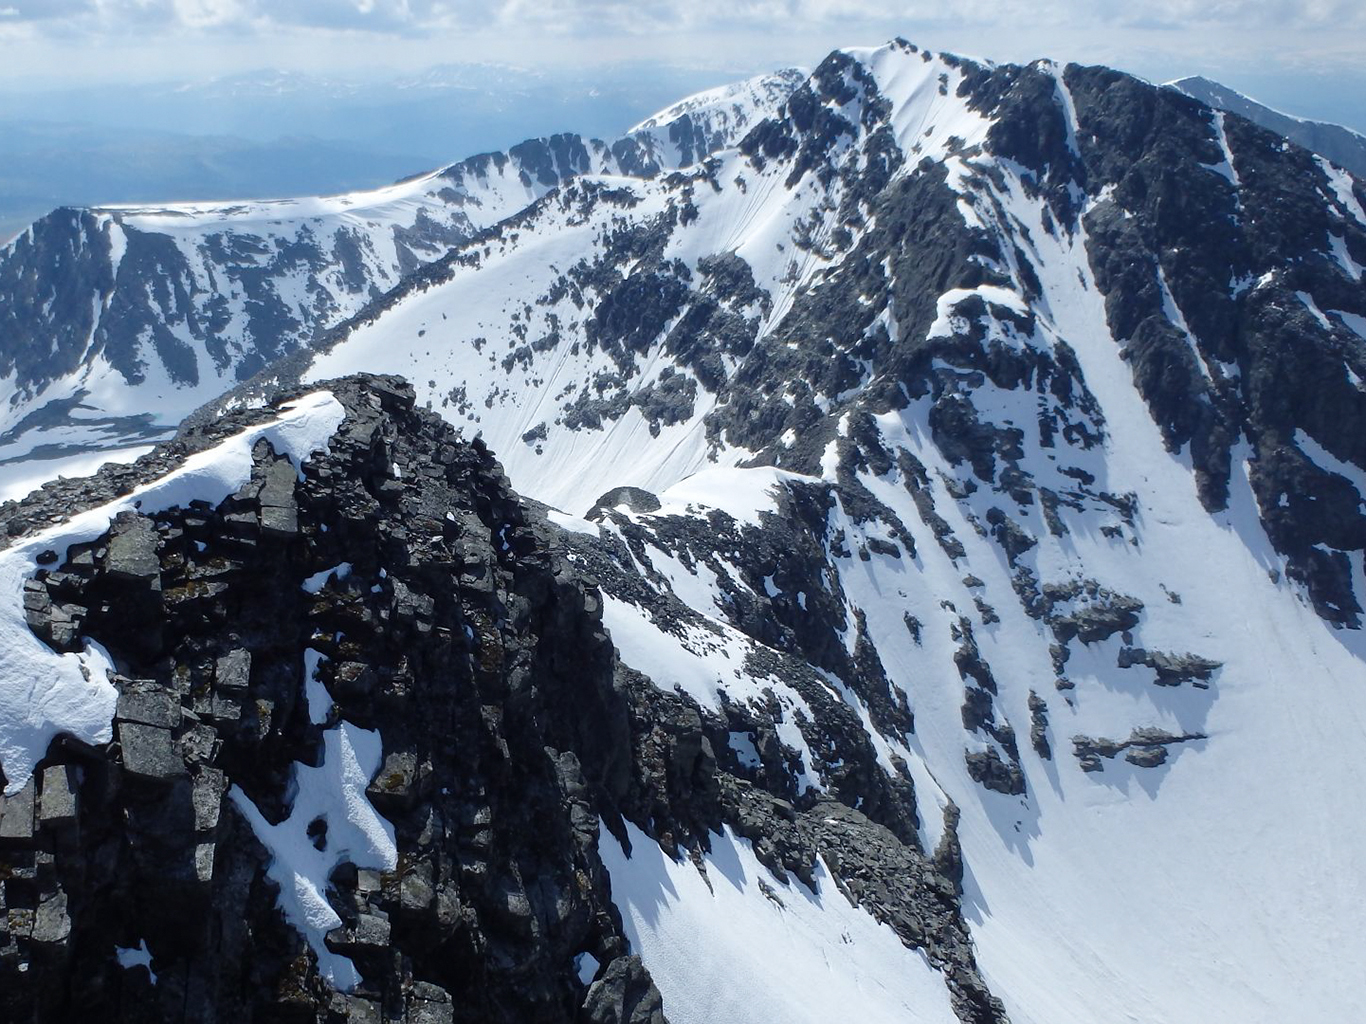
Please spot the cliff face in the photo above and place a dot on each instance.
(368, 730)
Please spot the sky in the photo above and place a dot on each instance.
(1307, 56)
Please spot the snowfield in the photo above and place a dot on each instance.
(711, 941)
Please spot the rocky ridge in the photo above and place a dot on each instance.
(465, 631)
(1343, 146)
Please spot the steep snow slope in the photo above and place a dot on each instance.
(990, 403)
(711, 941)
(117, 322)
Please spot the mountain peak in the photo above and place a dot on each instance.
(760, 94)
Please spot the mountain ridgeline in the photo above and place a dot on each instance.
(1343, 146)
(118, 322)
(927, 582)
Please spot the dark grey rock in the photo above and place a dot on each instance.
(637, 499)
(16, 815)
(133, 550)
(1171, 669)
(624, 993)
(353, 679)
(279, 511)
(210, 784)
(1038, 726)
(988, 769)
(52, 923)
(428, 1004)
(149, 752)
(1146, 757)
(232, 672)
(149, 706)
(57, 798)
(355, 1010)
(1146, 747)
(394, 784)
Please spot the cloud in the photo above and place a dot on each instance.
(609, 17)
(58, 41)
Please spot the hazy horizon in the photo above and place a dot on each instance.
(223, 99)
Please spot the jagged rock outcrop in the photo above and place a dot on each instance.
(394, 587)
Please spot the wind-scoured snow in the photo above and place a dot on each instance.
(25, 476)
(318, 580)
(1225, 167)
(1341, 184)
(754, 99)
(43, 693)
(1349, 266)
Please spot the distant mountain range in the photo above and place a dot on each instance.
(50, 164)
(277, 133)
(117, 321)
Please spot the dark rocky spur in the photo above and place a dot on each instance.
(509, 729)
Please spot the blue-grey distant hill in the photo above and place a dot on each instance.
(1342, 146)
(44, 165)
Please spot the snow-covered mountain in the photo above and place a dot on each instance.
(115, 323)
(1341, 145)
(968, 470)
(969, 397)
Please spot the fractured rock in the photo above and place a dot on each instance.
(149, 752)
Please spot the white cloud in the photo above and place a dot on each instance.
(1232, 40)
(646, 16)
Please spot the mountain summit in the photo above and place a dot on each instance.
(926, 585)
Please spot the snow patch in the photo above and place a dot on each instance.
(136, 956)
(1341, 184)
(333, 793)
(1225, 168)
(1338, 246)
(318, 580)
(742, 743)
(571, 523)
